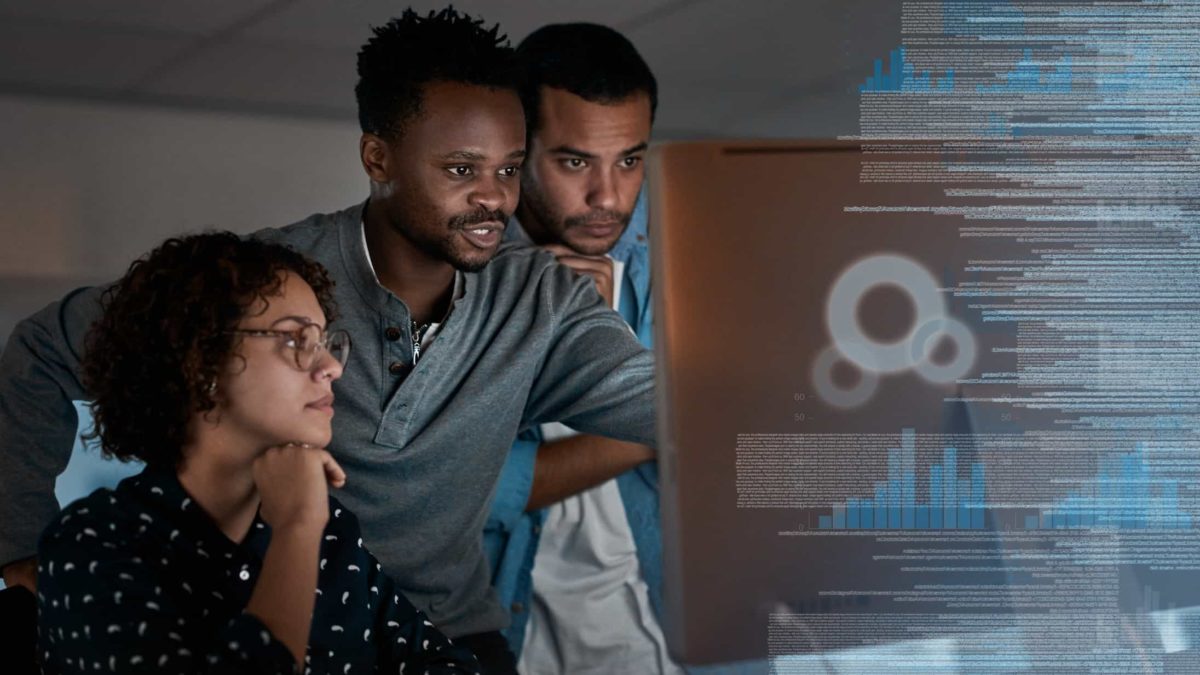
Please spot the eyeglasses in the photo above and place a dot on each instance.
(306, 342)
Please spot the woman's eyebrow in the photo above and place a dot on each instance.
(297, 319)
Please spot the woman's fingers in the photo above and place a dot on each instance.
(333, 470)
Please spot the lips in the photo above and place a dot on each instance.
(324, 404)
(484, 235)
(599, 230)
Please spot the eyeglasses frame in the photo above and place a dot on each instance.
(322, 341)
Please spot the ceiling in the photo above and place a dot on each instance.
(725, 67)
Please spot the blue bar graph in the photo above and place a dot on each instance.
(954, 503)
(1125, 495)
(949, 489)
(901, 76)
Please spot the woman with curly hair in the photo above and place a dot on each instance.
(213, 365)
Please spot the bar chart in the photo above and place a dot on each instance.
(953, 502)
(1125, 494)
(902, 76)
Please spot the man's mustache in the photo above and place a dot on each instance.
(598, 217)
(463, 220)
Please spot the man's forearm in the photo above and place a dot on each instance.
(568, 466)
(21, 573)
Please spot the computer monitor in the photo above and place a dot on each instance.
(842, 461)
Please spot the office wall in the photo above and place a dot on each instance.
(86, 187)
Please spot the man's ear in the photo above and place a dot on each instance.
(376, 156)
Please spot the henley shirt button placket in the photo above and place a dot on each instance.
(392, 334)
(397, 367)
(517, 608)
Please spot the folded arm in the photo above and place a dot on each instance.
(569, 466)
(39, 379)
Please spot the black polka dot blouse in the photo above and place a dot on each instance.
(141, 580)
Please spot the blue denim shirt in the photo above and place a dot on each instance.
(510, 535)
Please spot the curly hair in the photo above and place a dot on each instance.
(412, 50)
(151, 359)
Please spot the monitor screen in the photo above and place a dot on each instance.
(870, 431)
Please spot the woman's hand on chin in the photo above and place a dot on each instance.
(293, 484)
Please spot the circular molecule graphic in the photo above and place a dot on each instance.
(927, 338)
(913, 351)
(841, 312)
(830, 392)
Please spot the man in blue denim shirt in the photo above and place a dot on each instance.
(592, 601)
(590, 102)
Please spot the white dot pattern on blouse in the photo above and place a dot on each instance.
(146, 572)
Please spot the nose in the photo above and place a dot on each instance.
(327, 367)
(603, 193)
(492, 195)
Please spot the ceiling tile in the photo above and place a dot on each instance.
(769, 43)
(310, 79)
(180, 16)
(723, 66)
(42, 56)
(348, 25)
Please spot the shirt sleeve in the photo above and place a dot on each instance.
(596, 378)
(515, 484)
(99, 609)
(39, 379)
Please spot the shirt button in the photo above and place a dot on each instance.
(244, 575)
(392, 333)
(397, 367)
(517, 608)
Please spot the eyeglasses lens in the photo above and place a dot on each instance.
(309, 342)
(339, 346)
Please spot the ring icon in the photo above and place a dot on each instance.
(927, 338)
(913, 351)
(840, 397)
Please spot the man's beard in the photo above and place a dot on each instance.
(558, 225)
(442, 248)
(595, 217)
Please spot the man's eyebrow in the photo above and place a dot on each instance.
(635, 149)
(297, 319)
(582, 154)
(473, 156)
(568, 150)
(464, 155)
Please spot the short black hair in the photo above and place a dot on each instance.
(411, 51)
(593, 62)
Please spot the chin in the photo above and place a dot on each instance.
(589, 246)
(318, 438)
(476, 263)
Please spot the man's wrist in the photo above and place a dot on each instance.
(21, 572)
